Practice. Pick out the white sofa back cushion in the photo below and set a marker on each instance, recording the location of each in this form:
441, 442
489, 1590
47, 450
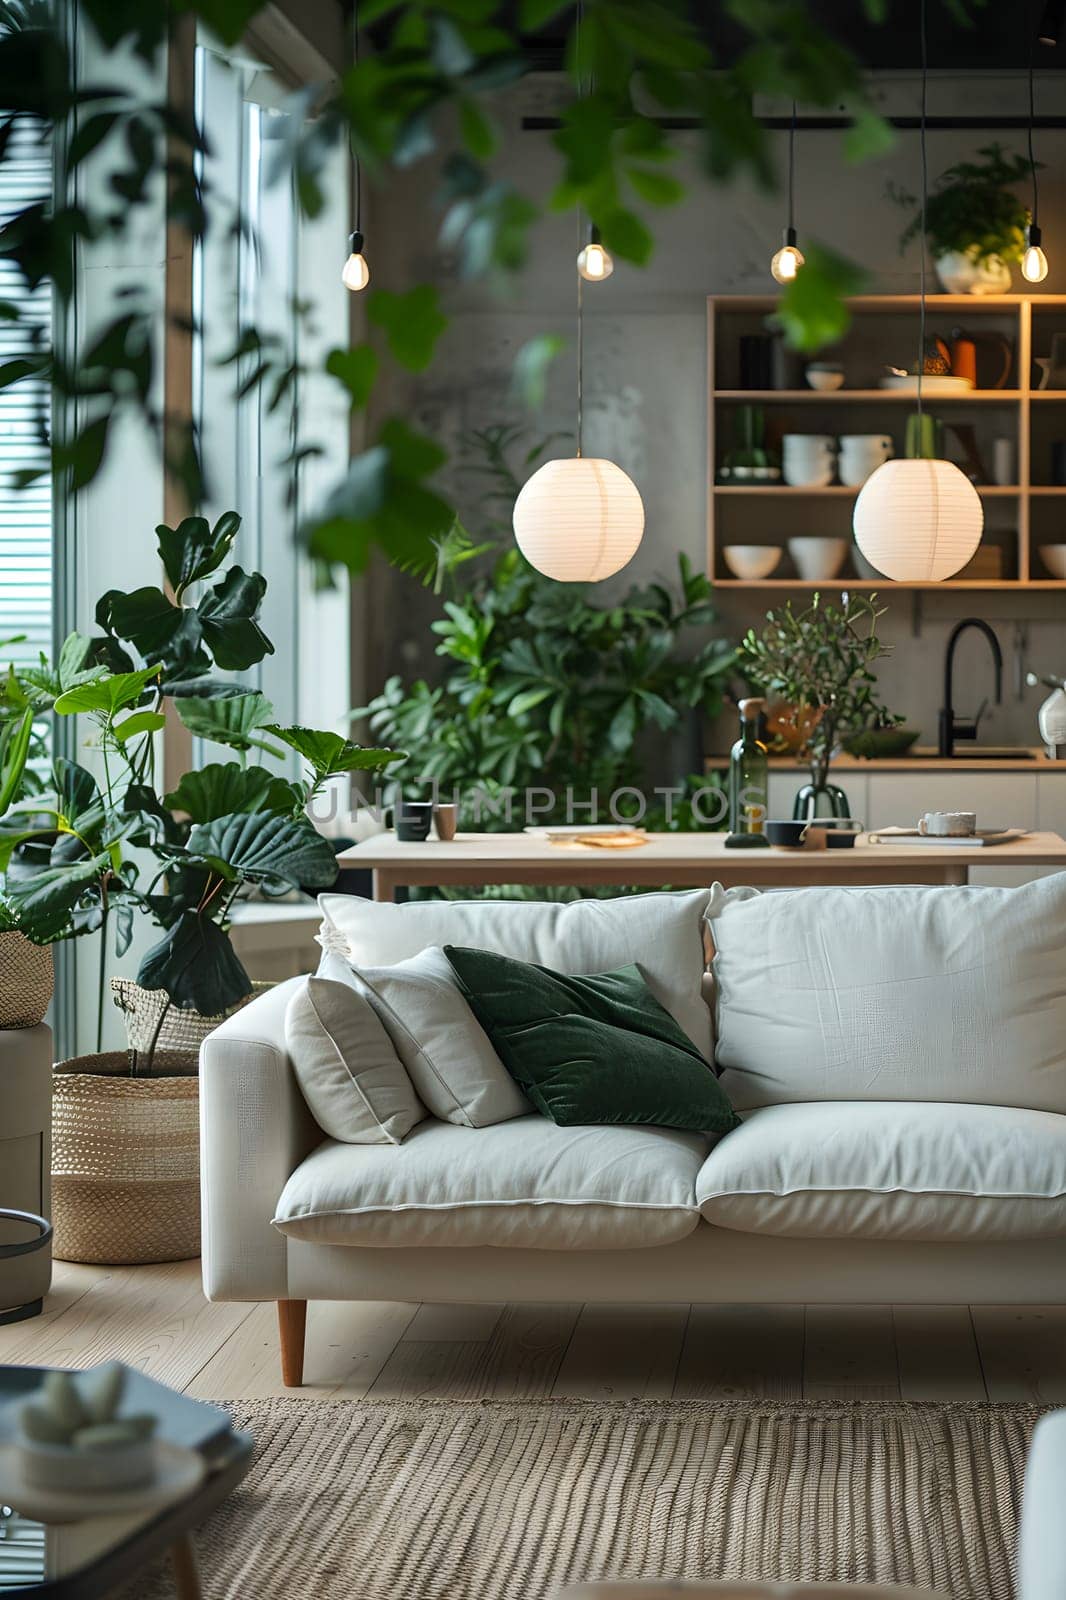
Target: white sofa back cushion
525, 1184
662, 933
349, 1073
951, 994
444, 1048
908, 1170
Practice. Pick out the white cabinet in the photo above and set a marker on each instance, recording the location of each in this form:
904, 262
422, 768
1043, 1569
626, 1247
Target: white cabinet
1000, 799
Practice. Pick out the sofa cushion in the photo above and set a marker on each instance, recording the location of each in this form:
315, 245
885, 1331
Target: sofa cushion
445, 1050
348, 1071
662, 933
593, 1048
524, 1183
913, 993
896, 1170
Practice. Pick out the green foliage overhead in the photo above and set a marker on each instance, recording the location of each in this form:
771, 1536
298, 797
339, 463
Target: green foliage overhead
638, 71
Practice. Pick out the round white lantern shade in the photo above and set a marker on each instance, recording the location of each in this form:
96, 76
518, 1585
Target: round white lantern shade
918, 521
579, 519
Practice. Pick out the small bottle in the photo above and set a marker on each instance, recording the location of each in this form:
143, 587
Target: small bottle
748, 779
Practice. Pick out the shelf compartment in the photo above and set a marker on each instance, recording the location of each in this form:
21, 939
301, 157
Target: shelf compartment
891, 397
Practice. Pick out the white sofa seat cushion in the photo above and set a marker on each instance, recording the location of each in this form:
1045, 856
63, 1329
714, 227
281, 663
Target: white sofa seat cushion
910, 993
662, 933
890, 1170
524, 1183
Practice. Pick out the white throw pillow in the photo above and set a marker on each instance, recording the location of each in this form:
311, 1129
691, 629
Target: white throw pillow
444, 1048
346, 1066
910, 993
662, 933
909, 1170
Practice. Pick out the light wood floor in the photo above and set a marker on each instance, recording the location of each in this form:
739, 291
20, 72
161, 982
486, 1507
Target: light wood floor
156, 1318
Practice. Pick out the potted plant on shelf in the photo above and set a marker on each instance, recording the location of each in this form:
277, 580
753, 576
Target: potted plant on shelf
975, 223
96, 849
816, 663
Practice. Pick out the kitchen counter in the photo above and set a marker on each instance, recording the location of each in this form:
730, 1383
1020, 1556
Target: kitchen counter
921, 758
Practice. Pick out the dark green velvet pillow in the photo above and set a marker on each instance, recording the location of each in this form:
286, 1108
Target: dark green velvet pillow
597, 1048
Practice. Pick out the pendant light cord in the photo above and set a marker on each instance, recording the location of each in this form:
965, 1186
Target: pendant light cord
357, 166
1032, 116
580, 280
925, 199
792, 173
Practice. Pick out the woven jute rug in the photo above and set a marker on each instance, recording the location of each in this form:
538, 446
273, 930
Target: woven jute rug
440, 1500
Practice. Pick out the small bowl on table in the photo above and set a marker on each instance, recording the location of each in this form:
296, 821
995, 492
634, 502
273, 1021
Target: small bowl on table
751, 561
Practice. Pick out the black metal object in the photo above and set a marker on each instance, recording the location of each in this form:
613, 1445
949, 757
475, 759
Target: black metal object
27, 1247
949, 725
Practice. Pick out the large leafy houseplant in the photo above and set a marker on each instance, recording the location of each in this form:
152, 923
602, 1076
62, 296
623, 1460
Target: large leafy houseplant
85, 851
974, 213
818, 661
543, 688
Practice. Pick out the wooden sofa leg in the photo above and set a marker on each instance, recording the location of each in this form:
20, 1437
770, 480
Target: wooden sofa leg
292, 1323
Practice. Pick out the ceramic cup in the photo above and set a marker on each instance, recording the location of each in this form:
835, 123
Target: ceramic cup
447, 820
808, 460
413, 818
861, 454
948, 824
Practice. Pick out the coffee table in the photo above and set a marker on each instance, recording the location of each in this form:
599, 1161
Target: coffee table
87, 1560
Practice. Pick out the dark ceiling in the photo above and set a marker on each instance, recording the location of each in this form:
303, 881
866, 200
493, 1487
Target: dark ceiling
997, 40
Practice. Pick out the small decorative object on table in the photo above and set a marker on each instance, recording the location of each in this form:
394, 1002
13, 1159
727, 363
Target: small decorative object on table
446, 820
413, 820
748, 781
947, 824
70, 1436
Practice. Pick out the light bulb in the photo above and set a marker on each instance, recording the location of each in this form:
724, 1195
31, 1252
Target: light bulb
356, 273
1034, 261
788, 260
594, 263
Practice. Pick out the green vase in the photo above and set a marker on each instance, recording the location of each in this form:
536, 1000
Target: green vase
820, 800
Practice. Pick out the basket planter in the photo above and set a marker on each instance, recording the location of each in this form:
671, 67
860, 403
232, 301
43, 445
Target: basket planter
27, 977
125, 1163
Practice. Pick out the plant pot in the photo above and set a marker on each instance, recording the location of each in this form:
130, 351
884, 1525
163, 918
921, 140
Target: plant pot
960, 272
27, 977
125, 1163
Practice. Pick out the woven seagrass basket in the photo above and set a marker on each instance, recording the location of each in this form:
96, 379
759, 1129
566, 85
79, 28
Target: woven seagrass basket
26, 981
126, 1139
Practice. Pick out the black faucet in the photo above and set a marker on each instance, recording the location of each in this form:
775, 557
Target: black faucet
951, 728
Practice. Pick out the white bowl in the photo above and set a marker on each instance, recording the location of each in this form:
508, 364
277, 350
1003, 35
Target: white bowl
825, 379
816, 559
751, 560
1054, 558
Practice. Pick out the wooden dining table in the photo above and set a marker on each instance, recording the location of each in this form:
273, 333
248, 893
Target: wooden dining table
678, 861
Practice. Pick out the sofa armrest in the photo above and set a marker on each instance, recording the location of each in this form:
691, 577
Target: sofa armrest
255, 1129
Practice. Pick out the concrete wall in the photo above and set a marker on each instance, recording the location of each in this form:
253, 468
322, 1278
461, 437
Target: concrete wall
645, 362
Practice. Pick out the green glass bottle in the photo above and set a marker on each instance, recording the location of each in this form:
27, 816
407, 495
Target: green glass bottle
748, 780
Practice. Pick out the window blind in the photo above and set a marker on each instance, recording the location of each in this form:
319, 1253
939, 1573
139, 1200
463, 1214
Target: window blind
25, 420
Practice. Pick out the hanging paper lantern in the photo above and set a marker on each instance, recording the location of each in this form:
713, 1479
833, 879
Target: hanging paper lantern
918, 521
579, 519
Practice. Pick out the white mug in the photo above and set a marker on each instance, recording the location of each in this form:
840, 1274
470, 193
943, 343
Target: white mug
948, 824
807, 460
860, 456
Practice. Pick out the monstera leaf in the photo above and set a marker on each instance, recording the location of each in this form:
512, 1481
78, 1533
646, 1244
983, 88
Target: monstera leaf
278, 852
196, 965
330, 753
223, 790
193, 550
233, 721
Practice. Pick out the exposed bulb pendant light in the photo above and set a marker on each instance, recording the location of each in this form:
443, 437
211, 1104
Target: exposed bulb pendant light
594, 262
919, 520
355, 274
579, 518
1034, 261
788, 260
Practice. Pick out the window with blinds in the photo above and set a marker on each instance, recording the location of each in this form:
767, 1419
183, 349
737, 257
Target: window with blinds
25, 420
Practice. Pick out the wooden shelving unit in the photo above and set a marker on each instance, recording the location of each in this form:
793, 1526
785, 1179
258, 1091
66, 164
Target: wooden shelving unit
1019, 517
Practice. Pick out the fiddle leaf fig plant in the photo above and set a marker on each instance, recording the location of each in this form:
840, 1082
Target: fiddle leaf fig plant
86, 850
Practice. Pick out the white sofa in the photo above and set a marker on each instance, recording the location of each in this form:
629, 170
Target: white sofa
887, 1181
